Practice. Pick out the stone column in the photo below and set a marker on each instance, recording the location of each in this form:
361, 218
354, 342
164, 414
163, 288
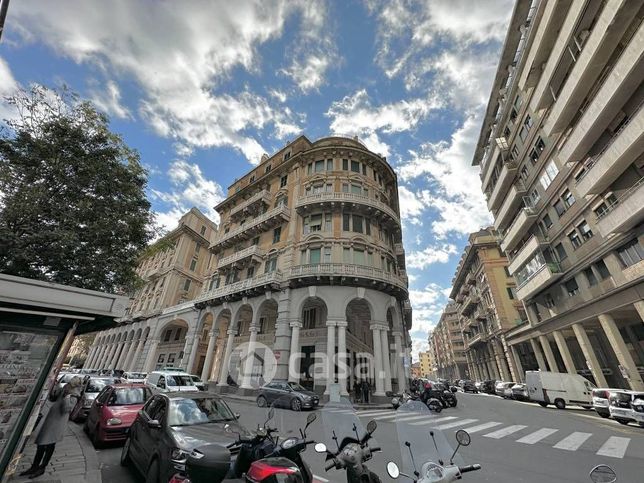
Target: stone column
105, 356
621, 351
130, 354
500, 361
153, 343
639, 306
92, 354
294, 353
589, 354
377, 356
400, 371
547, 350
139, 350
352, 376
223, 373
113, 355
100, 356
342, 356
282, 344
191, 344
210, 352
565, 352
330, 353
537, 353
517, 364
385, 358
120, 364
246, 382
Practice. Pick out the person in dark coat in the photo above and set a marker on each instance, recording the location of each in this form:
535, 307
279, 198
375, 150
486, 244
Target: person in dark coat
365, 391
53, 427
356, 392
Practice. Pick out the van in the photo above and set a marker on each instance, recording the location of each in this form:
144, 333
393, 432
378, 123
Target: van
559, 388
170, 381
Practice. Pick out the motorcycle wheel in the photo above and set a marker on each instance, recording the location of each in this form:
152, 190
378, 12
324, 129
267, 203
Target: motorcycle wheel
452, 404
435, 406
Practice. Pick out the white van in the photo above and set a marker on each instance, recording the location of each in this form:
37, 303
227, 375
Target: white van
170, 381
559, 388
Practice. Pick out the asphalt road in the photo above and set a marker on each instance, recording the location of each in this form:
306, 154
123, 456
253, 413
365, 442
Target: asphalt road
513, 441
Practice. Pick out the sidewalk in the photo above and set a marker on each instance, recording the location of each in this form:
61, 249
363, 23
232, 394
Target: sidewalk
74, 460
357, 406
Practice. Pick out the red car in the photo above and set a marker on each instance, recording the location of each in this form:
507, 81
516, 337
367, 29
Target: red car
113, 412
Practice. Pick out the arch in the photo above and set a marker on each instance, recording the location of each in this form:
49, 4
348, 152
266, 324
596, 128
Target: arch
137, 333
366, 297
266, 315
243, 319
359, 314
313, 312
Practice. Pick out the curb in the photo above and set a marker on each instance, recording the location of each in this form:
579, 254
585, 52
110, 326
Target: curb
92, 465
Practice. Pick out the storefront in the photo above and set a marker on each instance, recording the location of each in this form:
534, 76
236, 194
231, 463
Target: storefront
38, 321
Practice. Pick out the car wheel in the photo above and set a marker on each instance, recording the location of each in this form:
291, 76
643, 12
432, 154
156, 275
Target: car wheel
560, 404
543, 404
95, 439
152, 475
296, 404
587, 408
261, 401
604, 415
125, 453
622, 421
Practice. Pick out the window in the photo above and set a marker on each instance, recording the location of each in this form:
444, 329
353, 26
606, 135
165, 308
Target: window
355, 166
346, 222
602, 269
507, 271
584, 230
561, 252
515, 152
524, 174
328, 222
571, 287
186, 284
250, 272
203, 230
167, 335
547, 222
559, 208
567, 198
308, 318
268, 169
177, 334
534, 197
255, 241
528, 122
590, 276
313, 223
309, 169
510, 291
358, 257
193, 265
251, 179
367, 225
277, 234
197, 248
536, 151
631, 253
357, 223
574, 238
329, 165
271, 265
327, 255
549, 301
549, 174
345, 165
314, 256
283, 181
262, 325
319, 166
364, 169
346, 255
523, 133
287, 156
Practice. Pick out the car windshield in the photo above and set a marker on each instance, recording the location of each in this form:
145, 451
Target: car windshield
97, 385
191, 411
136, 375
66, 378
195, 378
177, 380
129, 396
295, 386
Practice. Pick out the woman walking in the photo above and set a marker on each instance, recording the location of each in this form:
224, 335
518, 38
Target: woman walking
53, 427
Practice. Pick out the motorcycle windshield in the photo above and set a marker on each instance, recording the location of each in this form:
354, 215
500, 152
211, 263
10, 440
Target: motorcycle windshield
414, 423
341, 424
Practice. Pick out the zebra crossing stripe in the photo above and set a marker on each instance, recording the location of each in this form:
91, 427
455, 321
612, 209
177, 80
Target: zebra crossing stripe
501, 433
537, 436
431, 421
373, 413
614, 447
411, 418
386, 416
462, 422
573, 441
481, 427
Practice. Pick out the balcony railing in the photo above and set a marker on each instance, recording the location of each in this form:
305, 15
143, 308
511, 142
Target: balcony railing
242, 285
346, 270
341, 197
623, 213
525, 251
240, 255
263, 195
521, 222
546, 274
280, 211
512, 199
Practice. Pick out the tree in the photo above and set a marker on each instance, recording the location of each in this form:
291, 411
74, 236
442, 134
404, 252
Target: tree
73, 208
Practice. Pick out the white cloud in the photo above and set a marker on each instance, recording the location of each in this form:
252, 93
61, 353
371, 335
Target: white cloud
189, 188
8, 83
308, 74
427, 304
278, 94
413, 204
431, 254
108, 100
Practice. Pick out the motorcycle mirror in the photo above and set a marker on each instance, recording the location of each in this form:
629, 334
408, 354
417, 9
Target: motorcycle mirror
393, 470
463, 437
271, 413
320, 448
310, 418
603, 474
371, 426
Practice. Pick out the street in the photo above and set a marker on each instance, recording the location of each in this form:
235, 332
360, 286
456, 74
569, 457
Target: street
513, 441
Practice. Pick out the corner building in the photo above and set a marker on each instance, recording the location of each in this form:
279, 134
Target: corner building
446, 340
308, 262
561, 159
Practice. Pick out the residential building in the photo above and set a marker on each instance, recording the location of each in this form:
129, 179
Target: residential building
307, 273
485, 299
449, 347
415, 370
561, 154
426, 364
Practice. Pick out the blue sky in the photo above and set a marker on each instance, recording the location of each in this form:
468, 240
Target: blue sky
203, 88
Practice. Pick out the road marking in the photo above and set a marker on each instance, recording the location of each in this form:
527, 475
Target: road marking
573, 441
373, 413
432, 421
462, 422
537, 436
411, 418
505, 431
385, 416
615, 447
323, 480
481, 427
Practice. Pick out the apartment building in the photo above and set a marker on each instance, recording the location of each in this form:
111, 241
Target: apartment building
485, 299
426, 360
173, 271
448, 345
560, 155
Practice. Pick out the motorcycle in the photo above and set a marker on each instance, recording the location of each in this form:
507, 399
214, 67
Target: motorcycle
353, 450
398, 399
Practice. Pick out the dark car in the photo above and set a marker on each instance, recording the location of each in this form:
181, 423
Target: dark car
488, 386
468, 386
287, 394
171, 425
91, 387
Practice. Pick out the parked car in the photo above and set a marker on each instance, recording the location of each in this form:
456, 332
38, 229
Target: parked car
134, 377
65, 377
468, 386
113, 412
601, 401
520, 392
627, 406
197, 382
171, 425
478, 384
501, 386
287, 394
559, 388
170, 381
92, 386
487, 386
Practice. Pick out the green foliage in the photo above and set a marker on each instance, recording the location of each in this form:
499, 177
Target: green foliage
73, 208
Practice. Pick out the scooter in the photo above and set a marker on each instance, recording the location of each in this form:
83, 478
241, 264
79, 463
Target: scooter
431, 472
399, 399
351, 455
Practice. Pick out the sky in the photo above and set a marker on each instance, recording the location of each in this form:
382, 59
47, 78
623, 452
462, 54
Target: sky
203, 88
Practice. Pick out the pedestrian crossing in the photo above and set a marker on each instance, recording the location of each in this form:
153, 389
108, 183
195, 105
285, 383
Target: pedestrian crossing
613, 447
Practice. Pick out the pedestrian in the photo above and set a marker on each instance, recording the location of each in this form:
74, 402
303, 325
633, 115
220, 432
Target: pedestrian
53, 427
365, 391
356, 392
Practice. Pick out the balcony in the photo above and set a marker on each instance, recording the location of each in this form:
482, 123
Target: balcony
346, 271
470, 302
625, 147
474, 340
546, 275
253, 252
525, 253
518, 228
364, 204
513, 199
262, 223
251, 204
480, 313
505, 178
471, 278
626, 213
241, 288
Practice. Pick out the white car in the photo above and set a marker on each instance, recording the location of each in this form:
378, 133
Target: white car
134, 377
198, 382
170, 381
627, 406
